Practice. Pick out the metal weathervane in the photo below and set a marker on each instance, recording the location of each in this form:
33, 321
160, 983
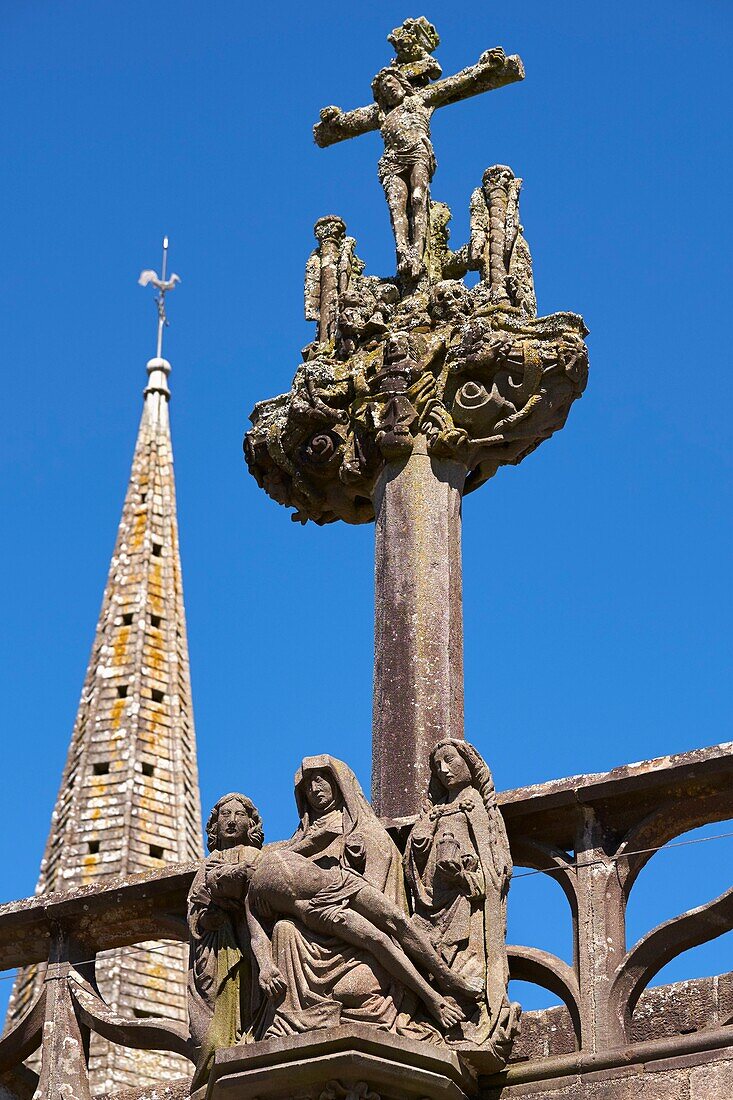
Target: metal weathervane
163, 285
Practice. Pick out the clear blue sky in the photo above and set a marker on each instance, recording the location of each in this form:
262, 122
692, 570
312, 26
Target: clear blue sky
597, 574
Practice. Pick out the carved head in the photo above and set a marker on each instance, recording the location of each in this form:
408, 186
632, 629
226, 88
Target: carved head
455, 764
398, 347
390, 87
414, 40
498, 175
234, 820
448, 299
321, 790
331, 227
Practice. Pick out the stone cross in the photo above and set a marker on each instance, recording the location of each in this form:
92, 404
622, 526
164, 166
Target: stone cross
415, 391
404, 103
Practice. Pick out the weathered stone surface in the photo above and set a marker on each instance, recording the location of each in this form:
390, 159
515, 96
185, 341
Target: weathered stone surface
418, 625
675, 1010
346, 1064
175, 1090
544, 1034
312, 933
418, 359
724, 998
712, 1082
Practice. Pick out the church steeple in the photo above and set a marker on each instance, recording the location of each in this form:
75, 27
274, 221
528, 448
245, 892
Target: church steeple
129, 797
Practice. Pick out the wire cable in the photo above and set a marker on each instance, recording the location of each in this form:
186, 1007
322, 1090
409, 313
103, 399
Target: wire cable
570, 866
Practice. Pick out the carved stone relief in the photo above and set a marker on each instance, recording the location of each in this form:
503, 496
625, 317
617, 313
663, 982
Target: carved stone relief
329, 928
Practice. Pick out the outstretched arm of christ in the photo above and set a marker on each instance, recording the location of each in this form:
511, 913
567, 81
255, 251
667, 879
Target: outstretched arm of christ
337, 125
492, 70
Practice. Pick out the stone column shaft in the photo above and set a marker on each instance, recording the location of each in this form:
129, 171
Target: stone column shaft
418, 631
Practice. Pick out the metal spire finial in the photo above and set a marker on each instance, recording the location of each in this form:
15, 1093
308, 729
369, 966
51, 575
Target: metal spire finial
163, 285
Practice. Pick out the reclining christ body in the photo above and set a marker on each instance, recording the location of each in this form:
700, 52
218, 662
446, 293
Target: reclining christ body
279, 883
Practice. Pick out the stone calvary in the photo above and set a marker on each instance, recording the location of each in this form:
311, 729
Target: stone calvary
417, 387
365, 958
418, 359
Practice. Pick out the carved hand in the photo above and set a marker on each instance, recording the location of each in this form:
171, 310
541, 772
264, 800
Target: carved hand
355, 852
328, 114
271, 981
226, 881
450, 868
492, 56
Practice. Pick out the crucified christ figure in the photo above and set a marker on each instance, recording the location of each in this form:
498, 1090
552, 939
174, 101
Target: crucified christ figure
402, 113
280, 883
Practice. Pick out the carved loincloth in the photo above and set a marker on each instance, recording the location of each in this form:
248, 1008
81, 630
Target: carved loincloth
326, 908
395, 164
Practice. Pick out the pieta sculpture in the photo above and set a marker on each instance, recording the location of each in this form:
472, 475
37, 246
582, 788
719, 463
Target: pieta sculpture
334, 925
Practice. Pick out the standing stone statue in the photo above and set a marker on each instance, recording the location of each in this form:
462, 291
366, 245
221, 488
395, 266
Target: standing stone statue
223, 996
329, 272
498, 249
458, 869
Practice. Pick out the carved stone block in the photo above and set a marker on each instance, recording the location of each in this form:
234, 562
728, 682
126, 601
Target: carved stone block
347, 1063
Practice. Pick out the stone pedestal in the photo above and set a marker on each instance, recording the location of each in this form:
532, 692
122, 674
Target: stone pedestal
418, 624
344, 1063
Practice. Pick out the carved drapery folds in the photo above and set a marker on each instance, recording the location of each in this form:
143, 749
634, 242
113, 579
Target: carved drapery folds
471, 369
318, 931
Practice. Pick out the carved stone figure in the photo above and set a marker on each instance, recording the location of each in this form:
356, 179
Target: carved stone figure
458, 868
404, 102
339, 828
418, 361
223, 995
406, 167
365, 311
413, 43
328, 982
441, 261
395, 414
498, 248
328, 275
280, 884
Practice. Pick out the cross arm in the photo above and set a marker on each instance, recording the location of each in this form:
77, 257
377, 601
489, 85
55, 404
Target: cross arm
337, 125
493, 70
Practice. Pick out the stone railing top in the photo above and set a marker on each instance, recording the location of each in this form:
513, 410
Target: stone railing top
625, 794
549, 810
125, 911
129, 910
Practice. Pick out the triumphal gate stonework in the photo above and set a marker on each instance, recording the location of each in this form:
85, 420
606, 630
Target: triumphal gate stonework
366, 958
